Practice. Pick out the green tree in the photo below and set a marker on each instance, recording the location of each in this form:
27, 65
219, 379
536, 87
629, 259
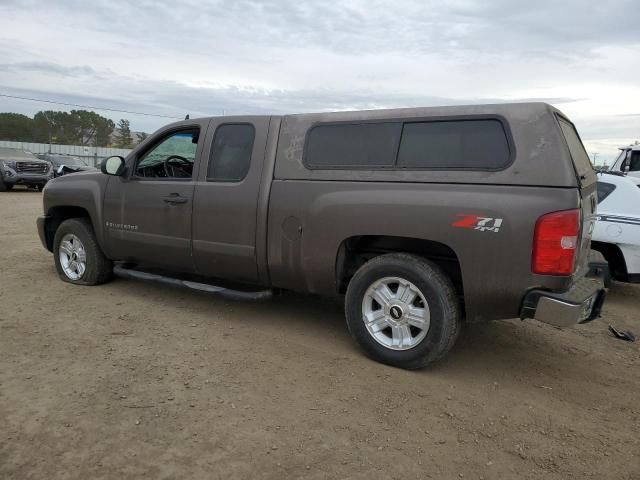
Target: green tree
16, 127
88, 128
50, 127
77, 127
122, 137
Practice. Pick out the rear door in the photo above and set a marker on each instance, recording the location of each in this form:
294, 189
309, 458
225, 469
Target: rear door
147, 211
587, 181
226, 198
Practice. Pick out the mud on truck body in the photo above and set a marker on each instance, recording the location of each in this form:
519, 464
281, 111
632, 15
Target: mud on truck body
422, 218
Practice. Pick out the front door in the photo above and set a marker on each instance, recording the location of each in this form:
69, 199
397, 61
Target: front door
148, 211
226, 198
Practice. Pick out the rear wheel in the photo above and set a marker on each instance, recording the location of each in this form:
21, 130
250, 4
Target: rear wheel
402, 310
4, 187
78, 257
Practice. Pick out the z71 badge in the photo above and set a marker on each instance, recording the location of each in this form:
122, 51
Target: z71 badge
478, 222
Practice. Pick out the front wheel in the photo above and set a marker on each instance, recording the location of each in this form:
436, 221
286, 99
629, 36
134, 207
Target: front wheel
402, 310
78, 257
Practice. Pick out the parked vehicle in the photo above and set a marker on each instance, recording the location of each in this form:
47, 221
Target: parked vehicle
19, 167
420, 217
65, 164
617, 231
628, 161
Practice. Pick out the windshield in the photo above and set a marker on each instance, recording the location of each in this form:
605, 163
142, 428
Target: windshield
620, 160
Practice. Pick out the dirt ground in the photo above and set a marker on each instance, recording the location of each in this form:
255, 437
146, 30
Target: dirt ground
136, 380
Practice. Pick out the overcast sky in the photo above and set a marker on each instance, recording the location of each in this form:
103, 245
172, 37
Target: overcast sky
207, 57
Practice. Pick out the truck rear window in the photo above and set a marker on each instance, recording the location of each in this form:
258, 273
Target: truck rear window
576, 148
371, 145
470, 144
456, 144
231, 153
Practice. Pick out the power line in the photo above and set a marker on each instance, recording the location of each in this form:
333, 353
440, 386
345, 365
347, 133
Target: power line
88, 106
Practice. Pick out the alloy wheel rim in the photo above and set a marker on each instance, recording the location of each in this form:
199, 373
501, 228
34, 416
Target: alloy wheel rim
73, 257
396, 313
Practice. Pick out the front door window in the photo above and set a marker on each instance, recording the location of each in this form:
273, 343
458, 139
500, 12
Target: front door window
172, 158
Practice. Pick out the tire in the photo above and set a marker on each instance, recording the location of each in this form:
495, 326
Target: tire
418, 278
4, 187
78, 237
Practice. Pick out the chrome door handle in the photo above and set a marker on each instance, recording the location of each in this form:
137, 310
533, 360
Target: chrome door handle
174, 199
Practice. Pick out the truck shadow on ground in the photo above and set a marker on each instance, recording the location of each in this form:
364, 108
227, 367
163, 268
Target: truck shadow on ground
502, 347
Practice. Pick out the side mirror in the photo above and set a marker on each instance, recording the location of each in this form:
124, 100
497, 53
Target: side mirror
113, 166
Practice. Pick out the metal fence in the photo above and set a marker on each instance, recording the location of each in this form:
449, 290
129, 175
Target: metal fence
91, 155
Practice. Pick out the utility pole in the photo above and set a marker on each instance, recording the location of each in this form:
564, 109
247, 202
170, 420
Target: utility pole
595, 155
46, 117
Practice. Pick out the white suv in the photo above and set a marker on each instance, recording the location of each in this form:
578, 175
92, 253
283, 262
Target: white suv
617, 230
628, 160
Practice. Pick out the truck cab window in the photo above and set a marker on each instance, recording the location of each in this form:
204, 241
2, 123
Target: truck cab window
173, 157
634, 161
231, 153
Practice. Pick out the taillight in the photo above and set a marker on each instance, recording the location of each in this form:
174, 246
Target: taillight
555, 243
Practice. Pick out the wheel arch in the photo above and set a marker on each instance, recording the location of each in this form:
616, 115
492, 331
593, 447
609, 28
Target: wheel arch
614, 257
355, 251
58, 214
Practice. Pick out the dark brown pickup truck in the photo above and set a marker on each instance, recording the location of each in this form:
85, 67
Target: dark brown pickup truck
423, 218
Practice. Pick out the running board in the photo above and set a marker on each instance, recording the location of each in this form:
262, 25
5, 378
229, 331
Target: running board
203, 287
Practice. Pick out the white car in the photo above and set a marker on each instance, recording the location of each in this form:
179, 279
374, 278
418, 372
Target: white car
617, 230
628, 161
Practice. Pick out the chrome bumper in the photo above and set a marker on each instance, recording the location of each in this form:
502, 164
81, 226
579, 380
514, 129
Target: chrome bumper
580, 304
20, 178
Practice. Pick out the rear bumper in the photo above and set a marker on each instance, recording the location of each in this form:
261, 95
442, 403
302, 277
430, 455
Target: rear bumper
580, 304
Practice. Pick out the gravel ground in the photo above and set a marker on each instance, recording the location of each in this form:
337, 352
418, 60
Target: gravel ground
132, 380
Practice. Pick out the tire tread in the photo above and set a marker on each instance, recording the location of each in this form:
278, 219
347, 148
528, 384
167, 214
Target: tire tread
430, 272
99, 268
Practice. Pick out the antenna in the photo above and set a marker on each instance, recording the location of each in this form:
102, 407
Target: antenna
186, 117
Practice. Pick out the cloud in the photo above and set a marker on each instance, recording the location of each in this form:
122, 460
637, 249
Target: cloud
571, 28
175, 99
49, 68
280, 56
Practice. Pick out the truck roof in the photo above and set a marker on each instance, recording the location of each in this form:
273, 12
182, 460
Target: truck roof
540, 154
530, 109
634, 146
